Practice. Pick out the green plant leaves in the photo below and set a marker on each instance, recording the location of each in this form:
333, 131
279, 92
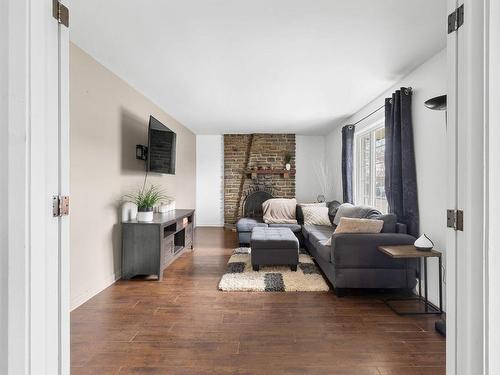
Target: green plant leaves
148, 198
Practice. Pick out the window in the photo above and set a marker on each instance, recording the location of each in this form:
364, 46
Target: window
370, 168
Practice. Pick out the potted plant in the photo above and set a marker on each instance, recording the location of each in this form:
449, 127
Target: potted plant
146, 199
288, 159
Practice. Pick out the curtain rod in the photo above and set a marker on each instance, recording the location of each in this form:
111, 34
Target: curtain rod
368, 115
406, 90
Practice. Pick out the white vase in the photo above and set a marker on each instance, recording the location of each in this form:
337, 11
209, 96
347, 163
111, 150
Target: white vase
145, 216
424, 243
129, 211
288, 166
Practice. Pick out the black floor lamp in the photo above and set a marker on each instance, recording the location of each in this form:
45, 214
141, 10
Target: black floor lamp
439, 104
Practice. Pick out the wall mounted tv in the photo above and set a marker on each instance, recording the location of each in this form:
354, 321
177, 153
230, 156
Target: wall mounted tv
161, 148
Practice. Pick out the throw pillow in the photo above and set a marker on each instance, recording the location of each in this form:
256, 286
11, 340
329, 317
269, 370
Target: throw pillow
333, 207
389, 220
279, 211
358, 212
350, 225
300, 214
316, 215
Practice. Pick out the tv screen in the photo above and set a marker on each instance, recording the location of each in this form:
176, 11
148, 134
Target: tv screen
161, 147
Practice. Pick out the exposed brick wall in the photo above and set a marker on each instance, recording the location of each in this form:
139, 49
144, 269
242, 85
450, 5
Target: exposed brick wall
243, 152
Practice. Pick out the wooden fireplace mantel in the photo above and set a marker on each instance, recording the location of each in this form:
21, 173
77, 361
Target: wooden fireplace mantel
253, 173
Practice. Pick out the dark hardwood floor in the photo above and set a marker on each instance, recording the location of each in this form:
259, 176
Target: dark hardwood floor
184, 325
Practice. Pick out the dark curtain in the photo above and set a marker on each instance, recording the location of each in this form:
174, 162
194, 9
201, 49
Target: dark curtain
347, 162
400, 173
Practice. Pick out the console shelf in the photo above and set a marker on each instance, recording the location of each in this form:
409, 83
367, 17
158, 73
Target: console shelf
148, 248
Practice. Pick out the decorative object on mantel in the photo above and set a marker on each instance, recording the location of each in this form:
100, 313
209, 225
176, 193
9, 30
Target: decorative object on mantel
424, 243
146, 200
321, 198
288, 159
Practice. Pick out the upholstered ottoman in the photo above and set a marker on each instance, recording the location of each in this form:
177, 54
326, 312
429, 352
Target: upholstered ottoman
274, 247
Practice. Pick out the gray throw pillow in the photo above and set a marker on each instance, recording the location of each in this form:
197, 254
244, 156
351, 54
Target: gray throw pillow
355, 212
389, 222
333, 207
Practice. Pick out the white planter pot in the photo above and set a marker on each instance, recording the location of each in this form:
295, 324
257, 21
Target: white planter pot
145, 216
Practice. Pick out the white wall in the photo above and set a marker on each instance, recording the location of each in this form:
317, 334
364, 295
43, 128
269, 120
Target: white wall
108, 118
429, 130
209, 180
310, 161
309, 158
3, 186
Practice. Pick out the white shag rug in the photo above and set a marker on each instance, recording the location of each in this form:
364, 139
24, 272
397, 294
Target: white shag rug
240, 277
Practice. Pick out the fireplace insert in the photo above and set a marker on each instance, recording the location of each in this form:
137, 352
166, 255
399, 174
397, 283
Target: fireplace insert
252, 205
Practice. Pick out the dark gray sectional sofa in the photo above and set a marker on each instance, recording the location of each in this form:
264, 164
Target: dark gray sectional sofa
352, 260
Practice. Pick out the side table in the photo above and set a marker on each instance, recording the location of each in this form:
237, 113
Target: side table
410, 252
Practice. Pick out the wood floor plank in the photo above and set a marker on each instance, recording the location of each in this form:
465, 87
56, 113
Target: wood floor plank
184, 325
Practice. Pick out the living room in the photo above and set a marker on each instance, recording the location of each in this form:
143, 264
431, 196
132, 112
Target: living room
260, 187
218, 167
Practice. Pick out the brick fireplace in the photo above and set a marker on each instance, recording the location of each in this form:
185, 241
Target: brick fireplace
254, 162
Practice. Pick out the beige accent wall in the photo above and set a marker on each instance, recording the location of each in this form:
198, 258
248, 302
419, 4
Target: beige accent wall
108, 118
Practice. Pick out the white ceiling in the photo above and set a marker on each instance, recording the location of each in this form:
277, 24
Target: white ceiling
224, 66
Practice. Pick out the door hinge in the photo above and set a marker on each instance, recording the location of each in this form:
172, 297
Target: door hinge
456, 19
60, 12
455, 219
60, 205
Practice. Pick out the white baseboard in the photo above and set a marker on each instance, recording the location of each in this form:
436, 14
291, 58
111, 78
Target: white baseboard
91, 292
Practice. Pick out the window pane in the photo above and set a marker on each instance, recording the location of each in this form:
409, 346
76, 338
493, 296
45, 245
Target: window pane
364, 163
371, 173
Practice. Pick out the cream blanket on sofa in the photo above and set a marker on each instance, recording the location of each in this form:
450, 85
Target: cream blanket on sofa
279, 211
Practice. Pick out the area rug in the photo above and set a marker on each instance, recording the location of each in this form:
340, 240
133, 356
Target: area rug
240, 277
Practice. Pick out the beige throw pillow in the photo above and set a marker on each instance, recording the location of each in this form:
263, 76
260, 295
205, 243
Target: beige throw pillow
279, 211
351, 225
316, 215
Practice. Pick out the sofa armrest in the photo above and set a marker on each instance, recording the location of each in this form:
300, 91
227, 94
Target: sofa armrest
359, 250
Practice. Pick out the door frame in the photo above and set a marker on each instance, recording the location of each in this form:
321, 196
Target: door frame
492, 259
37, 62
467, 250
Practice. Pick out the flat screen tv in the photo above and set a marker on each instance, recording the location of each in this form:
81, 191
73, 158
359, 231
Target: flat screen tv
161, 148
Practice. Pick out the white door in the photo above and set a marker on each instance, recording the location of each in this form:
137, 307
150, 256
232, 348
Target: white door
38, 142
466, 248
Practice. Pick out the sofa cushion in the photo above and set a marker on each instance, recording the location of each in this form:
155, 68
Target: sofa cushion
324, 251
246, 224
293, 227
317, 232
357, 212
318, 235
